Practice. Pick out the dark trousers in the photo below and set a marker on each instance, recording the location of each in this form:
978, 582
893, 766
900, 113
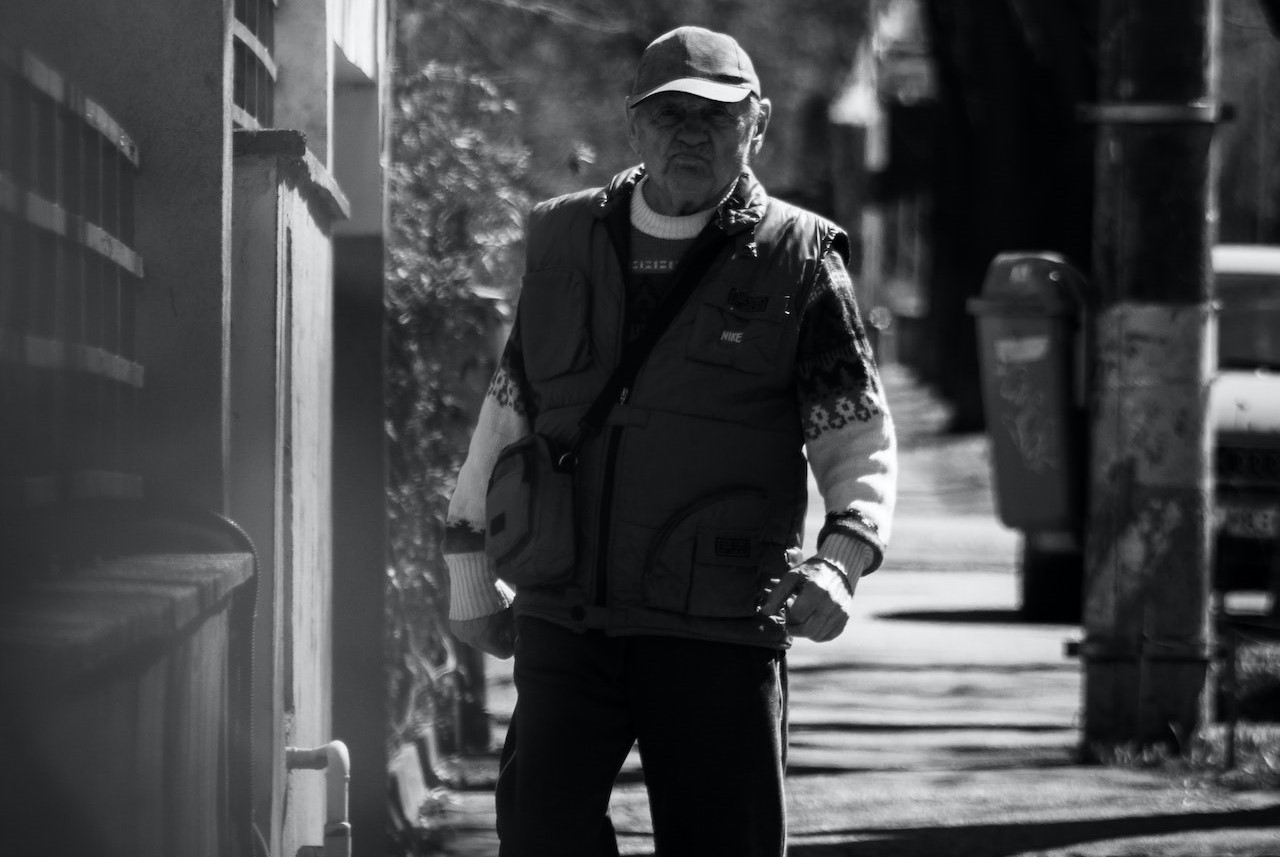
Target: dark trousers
710, 720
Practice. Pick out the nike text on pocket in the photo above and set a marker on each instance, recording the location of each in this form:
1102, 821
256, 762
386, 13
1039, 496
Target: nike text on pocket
734, 336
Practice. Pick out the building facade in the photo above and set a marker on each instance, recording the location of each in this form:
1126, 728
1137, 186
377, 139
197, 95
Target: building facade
191, 217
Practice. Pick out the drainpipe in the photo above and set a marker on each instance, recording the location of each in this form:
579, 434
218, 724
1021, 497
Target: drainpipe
333, 759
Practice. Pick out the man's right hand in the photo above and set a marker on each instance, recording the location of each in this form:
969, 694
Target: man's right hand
494, 634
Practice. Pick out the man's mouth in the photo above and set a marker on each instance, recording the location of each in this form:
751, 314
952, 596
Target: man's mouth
687, 162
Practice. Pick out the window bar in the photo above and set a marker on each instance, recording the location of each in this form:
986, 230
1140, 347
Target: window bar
131, 385
254, 65
267, 24
79, 420
240, 75
43, 429
121, 346
47, 93
10, 409
63, 388
109, 441
86, 411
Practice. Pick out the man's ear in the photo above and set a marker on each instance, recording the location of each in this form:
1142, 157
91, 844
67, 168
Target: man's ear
631, 130
762, 125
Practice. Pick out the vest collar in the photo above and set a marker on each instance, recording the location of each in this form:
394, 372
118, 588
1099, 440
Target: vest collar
739, 213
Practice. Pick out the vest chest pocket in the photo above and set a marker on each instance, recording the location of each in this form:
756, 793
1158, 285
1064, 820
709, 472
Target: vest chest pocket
554, 323
746, 337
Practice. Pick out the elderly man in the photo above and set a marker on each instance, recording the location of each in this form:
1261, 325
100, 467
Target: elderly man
677, 583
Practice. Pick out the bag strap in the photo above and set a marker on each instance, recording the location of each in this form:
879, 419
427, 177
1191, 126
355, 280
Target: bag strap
689, 272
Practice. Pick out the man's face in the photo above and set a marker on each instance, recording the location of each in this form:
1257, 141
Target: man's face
692, 148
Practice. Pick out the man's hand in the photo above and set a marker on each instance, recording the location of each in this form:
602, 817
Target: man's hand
815, 599
495, 633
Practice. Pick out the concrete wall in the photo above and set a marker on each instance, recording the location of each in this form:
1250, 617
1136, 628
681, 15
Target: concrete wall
359, 154
256, 457
359, 460
281, 444
360, 31
237, 411
304, 95
311, 574
360, 532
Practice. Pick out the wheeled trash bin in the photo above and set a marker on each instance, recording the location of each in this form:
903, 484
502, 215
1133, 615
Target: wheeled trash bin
1031, 357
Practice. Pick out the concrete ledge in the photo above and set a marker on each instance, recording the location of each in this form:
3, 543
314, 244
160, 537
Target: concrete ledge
60, 629
290, 147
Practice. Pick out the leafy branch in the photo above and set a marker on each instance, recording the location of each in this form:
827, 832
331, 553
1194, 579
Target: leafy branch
456, 220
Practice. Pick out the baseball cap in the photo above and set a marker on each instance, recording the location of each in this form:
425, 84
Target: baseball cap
697, 61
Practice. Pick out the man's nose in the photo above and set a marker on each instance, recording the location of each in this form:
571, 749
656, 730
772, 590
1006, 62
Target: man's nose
693, 125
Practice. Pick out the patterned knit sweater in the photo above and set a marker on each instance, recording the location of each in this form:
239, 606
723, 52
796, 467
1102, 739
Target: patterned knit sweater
849, 436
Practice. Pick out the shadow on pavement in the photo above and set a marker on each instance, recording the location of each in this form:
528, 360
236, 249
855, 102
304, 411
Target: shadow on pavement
1008, 840
967, 617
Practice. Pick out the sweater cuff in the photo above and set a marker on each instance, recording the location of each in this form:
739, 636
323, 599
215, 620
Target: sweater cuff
851, 554
474, 591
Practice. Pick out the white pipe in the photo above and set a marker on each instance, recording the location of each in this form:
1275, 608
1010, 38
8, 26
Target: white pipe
334, 760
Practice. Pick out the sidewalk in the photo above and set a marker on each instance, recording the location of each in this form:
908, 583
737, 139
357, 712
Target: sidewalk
941, 724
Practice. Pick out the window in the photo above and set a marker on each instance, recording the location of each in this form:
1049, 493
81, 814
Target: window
69, 379
255, 70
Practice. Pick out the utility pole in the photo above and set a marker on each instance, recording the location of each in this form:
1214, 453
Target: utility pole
1146, 612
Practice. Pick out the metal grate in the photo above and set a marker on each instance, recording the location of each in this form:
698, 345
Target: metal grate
69, 380
1242, 464
255, 69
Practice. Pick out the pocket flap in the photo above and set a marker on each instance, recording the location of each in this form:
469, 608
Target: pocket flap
720, 546
553, 316
726, 337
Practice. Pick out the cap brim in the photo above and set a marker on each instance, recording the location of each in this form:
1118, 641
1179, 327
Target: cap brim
709, 89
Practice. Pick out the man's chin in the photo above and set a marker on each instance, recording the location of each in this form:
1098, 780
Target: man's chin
689, 180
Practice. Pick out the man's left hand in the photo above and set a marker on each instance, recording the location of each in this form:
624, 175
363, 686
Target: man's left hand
815, 598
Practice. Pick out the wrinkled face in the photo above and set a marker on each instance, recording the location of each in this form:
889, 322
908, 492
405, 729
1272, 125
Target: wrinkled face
693, 148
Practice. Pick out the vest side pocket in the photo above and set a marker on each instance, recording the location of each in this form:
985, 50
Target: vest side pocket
554, 318
711, 558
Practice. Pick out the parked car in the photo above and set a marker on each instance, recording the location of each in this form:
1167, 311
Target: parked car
1245, 415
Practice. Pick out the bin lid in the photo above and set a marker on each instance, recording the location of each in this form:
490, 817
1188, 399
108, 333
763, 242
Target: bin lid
1030, 281
1246, 402
1258, 260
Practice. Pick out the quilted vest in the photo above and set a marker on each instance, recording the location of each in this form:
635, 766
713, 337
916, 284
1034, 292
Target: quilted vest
690, 497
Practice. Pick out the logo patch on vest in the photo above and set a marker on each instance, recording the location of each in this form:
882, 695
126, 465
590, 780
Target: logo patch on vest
733, 336
734, 548
743, 302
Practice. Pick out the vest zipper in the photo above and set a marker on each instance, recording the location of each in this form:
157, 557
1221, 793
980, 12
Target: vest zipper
606, 504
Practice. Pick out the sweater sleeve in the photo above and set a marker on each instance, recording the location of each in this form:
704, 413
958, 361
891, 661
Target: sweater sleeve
474, 587
849, 434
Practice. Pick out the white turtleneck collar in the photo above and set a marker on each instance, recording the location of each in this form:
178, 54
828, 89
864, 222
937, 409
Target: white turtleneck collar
679, 227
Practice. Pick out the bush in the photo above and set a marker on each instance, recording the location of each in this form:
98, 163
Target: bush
457, 208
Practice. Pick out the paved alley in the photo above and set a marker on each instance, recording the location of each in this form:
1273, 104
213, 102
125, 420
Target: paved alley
940, 723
